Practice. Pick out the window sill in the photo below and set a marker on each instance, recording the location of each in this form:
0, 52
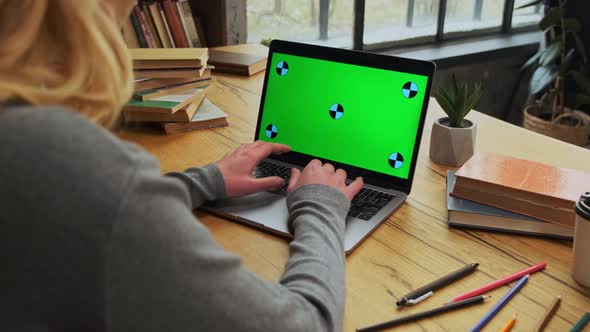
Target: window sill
450, 53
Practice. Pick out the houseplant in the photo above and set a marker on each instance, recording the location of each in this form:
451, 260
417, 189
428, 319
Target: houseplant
557, 64
452, 140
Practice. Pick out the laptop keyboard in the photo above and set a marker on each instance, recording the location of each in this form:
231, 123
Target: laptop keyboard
363, 206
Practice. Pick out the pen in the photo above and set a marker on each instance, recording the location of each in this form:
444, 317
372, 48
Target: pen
425, 291
509, 324
503, 301
548, 314
424, 314
581, 323
500, 282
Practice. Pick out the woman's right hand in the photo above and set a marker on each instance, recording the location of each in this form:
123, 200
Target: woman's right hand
316, 173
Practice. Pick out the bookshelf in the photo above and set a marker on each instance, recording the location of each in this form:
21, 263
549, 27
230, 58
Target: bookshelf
186, 23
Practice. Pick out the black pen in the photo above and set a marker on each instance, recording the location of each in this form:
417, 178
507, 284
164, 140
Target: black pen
425, 314
425, 291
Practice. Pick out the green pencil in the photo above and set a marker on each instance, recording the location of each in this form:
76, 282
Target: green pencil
581, 323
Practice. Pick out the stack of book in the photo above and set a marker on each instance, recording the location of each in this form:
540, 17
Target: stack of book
170, 89
506, 194
163, 24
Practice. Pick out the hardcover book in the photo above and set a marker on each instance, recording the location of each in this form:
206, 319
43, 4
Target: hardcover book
237, 63
470, 214
521, 186
207, 116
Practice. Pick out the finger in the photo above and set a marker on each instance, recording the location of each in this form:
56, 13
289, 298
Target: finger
341, 174
295, 174
270, 183
354, 187
329, 167
261, 149
313, 164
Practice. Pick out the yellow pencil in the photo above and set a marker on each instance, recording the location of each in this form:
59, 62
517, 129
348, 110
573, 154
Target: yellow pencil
509, 324
548, 314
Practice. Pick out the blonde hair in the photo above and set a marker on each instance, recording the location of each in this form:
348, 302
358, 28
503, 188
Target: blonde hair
66, 52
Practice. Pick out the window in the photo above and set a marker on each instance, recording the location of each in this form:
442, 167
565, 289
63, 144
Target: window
384, 23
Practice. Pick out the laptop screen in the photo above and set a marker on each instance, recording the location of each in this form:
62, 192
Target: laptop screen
356, 115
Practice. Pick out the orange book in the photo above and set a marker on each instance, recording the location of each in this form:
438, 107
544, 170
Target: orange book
526, 187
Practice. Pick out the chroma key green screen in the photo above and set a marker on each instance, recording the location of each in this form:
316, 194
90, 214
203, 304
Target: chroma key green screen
361, 116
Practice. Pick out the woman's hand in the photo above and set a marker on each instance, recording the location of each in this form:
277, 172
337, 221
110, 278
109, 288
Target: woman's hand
237, 167
316, 173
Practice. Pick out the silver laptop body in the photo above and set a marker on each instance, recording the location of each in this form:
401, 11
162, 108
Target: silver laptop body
268, 210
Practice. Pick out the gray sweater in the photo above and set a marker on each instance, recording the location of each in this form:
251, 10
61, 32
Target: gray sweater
93, 238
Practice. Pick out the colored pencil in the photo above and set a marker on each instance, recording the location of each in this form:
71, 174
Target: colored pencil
424, 314
581, 323
509, 324
498, 283
505, 299
548, 314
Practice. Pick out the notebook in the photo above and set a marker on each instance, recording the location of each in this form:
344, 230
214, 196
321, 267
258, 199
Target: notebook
470, 214
361, 112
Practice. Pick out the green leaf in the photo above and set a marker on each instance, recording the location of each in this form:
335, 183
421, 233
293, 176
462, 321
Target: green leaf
530, 4
532, 60
551, 18
550, 53
580, 46
582, 100
457, 99
572, 25
542, 77
582, 81
567, 62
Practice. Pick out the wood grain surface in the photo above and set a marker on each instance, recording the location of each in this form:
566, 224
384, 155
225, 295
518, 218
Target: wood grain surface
415, 245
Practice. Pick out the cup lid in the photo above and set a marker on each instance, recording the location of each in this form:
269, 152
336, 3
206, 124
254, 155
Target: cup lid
583, 205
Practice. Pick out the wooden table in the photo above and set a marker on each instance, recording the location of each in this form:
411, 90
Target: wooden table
415, 245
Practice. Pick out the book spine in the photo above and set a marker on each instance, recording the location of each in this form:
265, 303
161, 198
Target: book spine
166, 25
151, 25
173, 18
186, 15
129, 34
137, 28
143, 25
159, 25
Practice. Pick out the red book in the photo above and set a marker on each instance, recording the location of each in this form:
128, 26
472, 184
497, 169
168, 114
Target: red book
545, 192
176, 28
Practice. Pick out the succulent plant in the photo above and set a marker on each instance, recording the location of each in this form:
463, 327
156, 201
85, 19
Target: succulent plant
457, 99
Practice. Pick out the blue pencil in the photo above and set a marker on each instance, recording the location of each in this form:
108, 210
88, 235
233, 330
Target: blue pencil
488, 316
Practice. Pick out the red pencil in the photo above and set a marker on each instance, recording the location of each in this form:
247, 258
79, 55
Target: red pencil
499, 282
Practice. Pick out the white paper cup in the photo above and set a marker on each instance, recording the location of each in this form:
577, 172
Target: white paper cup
581, 262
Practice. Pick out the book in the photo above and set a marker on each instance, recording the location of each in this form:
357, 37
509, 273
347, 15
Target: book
137, 28
186, 16
166, 25
144, 29
208, 116
237, 63
171, 89
189, 73
151, 25
173, 19
168, 104
521, 186
129, 34
470, 214
169, 58
183, 115
159, 25
155, 83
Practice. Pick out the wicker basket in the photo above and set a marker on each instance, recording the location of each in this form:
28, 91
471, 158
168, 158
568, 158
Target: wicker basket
577, 135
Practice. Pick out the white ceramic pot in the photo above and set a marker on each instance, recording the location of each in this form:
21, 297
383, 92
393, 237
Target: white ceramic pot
452, 146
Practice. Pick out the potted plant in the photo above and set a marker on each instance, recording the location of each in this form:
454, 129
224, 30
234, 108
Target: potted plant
452, 140
553, 113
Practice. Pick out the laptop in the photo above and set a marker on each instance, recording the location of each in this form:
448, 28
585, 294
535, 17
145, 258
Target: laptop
361, 112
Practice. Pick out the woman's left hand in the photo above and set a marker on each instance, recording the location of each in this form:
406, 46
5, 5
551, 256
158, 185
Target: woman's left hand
237, 167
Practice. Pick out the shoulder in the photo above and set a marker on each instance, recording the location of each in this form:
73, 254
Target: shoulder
53, 151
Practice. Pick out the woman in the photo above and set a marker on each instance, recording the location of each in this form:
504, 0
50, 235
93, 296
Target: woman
95, 239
